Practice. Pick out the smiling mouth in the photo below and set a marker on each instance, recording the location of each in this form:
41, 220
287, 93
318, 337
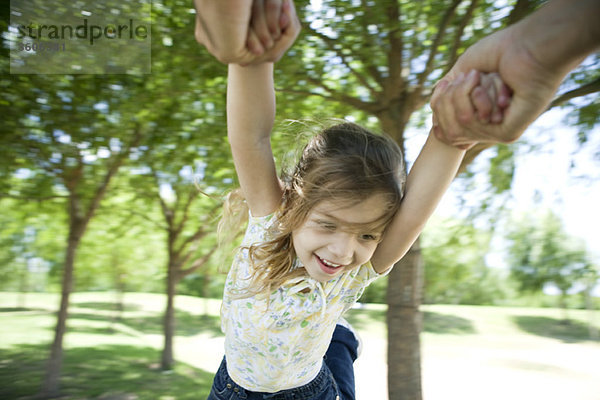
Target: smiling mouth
328, 266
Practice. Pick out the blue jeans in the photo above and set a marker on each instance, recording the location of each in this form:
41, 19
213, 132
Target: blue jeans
335, 381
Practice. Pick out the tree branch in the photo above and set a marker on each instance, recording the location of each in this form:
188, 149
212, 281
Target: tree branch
342, 98
588, 88
186, 209
31, 198
199, 234
112, 170
336, 97
366, 36
306, 93
197, 264
436, 42
396, 47
415, 38
147, 218
167, 212
330, 43
521, 9
195, 238
457, 37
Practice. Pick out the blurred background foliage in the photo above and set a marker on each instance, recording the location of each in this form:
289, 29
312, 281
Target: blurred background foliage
60, 134
119, 178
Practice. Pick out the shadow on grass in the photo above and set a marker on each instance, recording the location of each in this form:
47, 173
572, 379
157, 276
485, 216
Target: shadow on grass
568, 331
107, 305
114, 371
443, 323
361, 319
433, 322
22, 309
186, 324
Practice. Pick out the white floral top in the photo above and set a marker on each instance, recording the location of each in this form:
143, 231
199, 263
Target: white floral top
282, 347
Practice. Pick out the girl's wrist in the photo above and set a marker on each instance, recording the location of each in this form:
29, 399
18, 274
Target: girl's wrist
254, 67
455, 148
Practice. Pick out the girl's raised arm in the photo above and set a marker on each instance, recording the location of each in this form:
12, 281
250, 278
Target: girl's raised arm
250, 116
428, 180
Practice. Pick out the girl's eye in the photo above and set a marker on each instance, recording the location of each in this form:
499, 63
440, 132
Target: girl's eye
369, 237
327, 225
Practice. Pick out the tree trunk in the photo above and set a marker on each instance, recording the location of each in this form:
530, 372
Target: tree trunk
23, 284
404, 295
119, 282
563, 306
169, 319
589, 306
205, 295
51, 385
404, 322
79, 217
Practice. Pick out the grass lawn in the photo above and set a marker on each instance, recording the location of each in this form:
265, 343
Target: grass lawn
475, 352
106, 357
468, 352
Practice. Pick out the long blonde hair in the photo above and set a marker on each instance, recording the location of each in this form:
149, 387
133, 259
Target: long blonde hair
345, 163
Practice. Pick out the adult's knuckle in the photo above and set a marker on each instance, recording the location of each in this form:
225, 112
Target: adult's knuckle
273, 5
257, 7
465, 117
263, 36
226, 58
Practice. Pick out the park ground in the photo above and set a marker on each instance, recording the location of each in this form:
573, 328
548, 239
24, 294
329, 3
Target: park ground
468, 352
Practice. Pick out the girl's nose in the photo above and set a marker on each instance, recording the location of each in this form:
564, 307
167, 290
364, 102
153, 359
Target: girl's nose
342, 247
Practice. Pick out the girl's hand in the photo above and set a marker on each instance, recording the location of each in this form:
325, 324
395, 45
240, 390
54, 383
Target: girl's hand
468, 104
274, 27
265, 25
490, 98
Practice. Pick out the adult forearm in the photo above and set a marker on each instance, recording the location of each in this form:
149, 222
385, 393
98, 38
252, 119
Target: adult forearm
561, 33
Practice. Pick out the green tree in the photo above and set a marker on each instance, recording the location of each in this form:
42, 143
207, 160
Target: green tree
187, 140
455, 269
31, 241
541, 253
119, 251
64, 138
70, 163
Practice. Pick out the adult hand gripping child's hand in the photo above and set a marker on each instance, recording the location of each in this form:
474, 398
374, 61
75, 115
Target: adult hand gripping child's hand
474, 99
531, 59
263, 42
246, 31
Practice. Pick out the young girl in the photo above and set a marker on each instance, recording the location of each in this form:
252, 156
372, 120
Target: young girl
314, 241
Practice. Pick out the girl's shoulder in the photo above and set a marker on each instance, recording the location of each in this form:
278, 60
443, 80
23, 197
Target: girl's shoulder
259, 228
367, 273
354, 281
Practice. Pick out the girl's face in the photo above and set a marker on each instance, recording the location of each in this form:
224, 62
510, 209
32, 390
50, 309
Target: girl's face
335, 238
